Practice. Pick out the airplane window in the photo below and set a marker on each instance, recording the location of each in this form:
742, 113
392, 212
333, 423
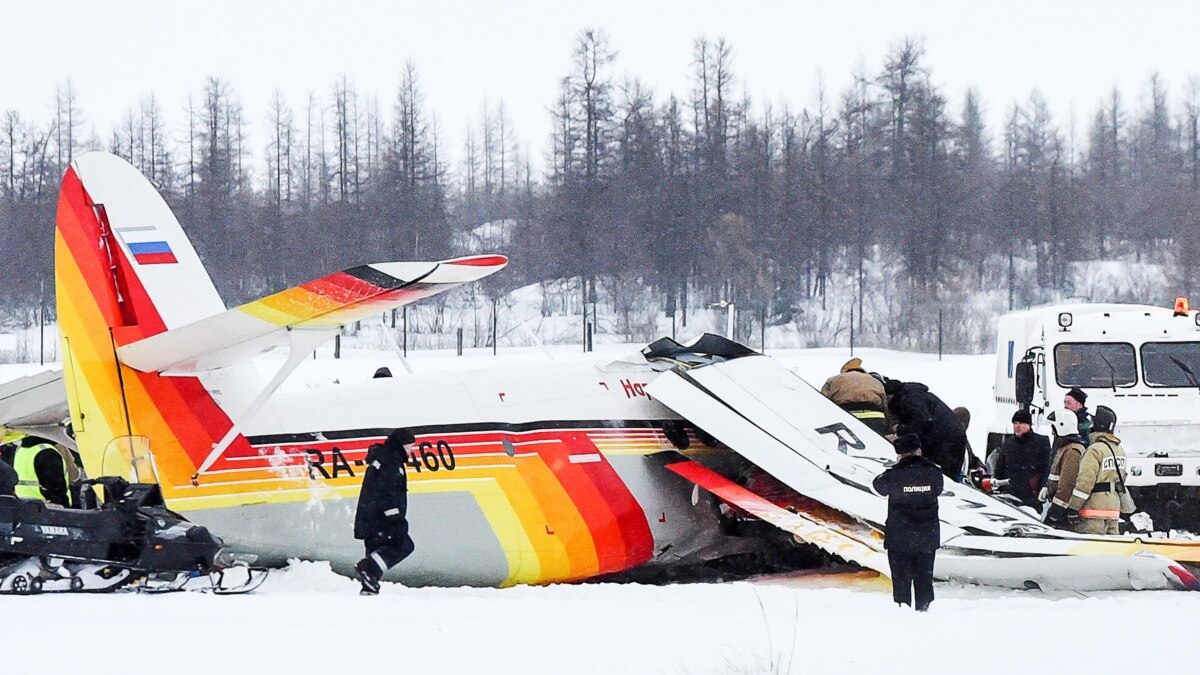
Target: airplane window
1171, 364
1095, 365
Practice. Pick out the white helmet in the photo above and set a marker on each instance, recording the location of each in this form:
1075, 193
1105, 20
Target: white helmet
1064, 422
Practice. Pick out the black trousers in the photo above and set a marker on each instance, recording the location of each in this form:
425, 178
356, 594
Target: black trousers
912, 570
389, 550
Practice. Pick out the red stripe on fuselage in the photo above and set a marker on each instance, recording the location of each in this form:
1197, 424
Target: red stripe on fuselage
631, 518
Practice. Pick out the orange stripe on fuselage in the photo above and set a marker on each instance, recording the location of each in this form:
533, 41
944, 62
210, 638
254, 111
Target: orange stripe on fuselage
608, 547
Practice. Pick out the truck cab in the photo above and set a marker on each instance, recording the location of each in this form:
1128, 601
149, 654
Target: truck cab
1142, 361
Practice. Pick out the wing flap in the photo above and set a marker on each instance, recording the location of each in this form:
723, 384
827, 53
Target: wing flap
325, 304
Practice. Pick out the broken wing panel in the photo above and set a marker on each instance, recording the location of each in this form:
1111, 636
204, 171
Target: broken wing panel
768, 452
36, 404
822, 436
825, 536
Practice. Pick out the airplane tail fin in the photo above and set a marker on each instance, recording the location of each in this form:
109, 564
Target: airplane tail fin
141, 321
124, 270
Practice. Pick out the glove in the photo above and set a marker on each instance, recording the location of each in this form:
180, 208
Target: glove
1058, 516
1044, 495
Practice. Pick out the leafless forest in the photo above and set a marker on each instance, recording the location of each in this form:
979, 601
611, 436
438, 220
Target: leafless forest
885, 201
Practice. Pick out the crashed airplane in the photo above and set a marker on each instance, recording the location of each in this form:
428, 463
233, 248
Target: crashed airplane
537, 474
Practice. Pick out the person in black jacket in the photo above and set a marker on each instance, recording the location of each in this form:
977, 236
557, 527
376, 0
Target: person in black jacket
8, 480
917, 411
912, 533
1024, 460
380, 520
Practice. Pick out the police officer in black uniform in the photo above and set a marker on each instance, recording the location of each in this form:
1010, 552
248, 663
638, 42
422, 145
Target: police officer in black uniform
912, 534
380, 520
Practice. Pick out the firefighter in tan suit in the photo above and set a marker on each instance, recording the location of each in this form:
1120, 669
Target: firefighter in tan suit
860, 394
1064, 470
1102, 474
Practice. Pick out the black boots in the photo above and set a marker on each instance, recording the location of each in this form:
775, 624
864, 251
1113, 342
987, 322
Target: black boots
368, 574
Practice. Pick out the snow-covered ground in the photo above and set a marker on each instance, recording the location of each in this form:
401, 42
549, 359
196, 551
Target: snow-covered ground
308, 620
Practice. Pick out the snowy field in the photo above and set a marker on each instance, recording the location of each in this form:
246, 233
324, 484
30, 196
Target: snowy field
308, 620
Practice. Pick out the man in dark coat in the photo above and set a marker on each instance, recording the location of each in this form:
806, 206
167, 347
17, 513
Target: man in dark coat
1024, 460
917, 411
380, 520
912, 533
1076, 402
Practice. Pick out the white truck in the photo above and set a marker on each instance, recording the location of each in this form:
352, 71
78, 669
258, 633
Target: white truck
1139, 360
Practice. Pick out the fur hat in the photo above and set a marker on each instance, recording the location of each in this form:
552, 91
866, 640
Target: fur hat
907, 443
1078, 394
853, 364
1023, 417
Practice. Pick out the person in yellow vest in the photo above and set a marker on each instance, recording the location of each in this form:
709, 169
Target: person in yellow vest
41, 472
860, 394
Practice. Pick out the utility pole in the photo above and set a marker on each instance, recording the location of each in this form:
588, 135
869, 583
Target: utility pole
42, 322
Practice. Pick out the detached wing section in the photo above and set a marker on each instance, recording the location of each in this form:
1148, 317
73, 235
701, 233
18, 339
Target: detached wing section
776, 420
36, 404
322, 305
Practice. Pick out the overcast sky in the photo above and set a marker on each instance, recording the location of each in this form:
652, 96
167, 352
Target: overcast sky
516, 51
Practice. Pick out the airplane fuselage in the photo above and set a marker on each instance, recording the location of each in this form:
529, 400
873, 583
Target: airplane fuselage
529, 474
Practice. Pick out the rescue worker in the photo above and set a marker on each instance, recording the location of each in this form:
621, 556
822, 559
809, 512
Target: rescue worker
973, 465
911, 533
918, 411
1024, 460
1102, 476
860, 394
1075, 401
1064, 471
8, 480
9, 442
41, 472
380, 520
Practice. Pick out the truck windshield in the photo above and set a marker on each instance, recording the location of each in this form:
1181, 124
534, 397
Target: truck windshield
1171, 364
1095, 364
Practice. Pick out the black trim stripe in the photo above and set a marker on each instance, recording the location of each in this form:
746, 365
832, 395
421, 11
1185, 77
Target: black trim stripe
473, 427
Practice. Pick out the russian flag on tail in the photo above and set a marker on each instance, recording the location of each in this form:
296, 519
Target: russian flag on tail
152, 252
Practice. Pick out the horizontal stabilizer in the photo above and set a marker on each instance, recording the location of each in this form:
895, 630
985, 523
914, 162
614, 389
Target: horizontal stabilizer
324, 305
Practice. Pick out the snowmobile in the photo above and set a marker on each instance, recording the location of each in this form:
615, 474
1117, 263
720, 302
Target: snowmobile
131, 542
